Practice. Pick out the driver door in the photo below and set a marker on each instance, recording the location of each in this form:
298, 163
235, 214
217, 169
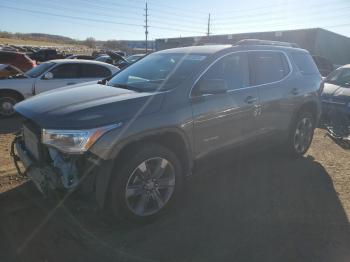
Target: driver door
62, 75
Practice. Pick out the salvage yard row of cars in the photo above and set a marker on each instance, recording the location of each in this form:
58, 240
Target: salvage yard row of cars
21, 77
132, 139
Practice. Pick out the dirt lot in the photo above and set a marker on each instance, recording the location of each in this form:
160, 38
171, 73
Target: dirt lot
262, 207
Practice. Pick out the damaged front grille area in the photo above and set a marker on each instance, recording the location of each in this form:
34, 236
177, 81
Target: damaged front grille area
66, 168
47, 167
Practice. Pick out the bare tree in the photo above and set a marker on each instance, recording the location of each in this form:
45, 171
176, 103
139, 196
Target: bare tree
90, 42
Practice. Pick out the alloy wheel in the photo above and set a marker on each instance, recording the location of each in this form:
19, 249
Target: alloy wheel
303, 134
150, 186
6, 106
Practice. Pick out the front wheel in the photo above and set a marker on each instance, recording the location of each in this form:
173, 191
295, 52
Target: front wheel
146, 184
301, 134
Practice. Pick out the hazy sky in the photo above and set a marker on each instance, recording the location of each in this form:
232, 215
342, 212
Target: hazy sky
121, 19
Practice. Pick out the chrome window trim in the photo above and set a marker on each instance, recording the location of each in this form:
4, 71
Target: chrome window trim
291, 70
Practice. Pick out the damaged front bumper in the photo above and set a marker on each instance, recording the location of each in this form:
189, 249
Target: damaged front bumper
56, 172
40, 175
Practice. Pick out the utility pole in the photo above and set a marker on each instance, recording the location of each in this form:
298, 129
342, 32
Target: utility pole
208, 32
146, 27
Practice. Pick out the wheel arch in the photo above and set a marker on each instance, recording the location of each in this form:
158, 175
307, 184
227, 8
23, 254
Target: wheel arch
310, 106
13, 92
172, 138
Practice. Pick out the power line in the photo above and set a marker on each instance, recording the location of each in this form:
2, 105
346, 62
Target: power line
174, 23
68, 16
315, 9
95, 20
281, 19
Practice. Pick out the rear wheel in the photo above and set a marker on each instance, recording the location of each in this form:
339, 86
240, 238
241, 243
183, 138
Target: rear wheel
301, 134
146, 184
7, 103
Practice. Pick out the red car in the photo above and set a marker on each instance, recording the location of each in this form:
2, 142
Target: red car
19, 60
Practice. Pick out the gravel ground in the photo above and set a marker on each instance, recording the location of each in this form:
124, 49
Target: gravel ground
263, 207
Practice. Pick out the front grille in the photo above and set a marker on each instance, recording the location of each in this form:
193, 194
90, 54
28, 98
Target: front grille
32, 141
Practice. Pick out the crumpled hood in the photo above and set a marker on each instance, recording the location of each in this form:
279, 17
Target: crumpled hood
87, 106
331, 90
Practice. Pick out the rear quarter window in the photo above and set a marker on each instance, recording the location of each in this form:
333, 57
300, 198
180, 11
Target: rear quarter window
94, 71
305, 63
268, 67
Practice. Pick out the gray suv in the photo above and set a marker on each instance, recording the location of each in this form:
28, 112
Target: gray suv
131, 141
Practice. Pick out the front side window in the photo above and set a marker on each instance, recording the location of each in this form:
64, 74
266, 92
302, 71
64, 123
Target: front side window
39, 70
66, 71
268, 67
233, 69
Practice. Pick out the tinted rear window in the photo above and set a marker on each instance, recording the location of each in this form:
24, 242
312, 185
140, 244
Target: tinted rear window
94, 71
305, 63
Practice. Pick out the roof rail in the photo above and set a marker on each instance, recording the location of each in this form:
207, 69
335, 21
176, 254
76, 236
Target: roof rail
266, 42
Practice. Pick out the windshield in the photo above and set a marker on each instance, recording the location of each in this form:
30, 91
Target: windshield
39, 70
157, 71
133, 58
340, 77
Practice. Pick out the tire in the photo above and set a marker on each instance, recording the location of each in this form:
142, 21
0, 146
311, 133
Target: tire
301, 134
138, 192
7, 102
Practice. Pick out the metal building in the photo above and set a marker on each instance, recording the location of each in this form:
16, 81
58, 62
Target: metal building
317, 41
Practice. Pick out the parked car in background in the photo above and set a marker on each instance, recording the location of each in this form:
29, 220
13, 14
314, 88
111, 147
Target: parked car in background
324, 65
113, 59
19, 60
43, 55
7, 71
336, 94
85, 57
48, 76
133, 58
133, 144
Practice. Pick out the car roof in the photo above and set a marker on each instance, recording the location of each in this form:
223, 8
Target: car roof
11, 52
212, 49
78, 61
83, 61
205, 49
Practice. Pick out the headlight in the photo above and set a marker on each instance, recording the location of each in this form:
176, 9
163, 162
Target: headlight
74, 141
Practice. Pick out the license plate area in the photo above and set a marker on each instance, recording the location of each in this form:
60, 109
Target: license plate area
31, 143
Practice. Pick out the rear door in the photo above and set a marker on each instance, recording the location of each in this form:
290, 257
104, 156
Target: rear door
270, 71
63, 75
225, 119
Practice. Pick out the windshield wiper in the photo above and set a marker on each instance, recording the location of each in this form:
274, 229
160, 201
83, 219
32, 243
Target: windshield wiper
128, 87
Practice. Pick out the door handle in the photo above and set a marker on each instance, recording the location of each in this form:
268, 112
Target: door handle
295, 91
71, 83
250, 100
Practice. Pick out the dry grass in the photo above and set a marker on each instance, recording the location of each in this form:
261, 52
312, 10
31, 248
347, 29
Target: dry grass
14, 41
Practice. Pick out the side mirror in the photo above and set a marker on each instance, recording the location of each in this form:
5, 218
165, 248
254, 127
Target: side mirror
212, 86
48, 76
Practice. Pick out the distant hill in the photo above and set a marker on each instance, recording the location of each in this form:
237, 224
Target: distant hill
39, 36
